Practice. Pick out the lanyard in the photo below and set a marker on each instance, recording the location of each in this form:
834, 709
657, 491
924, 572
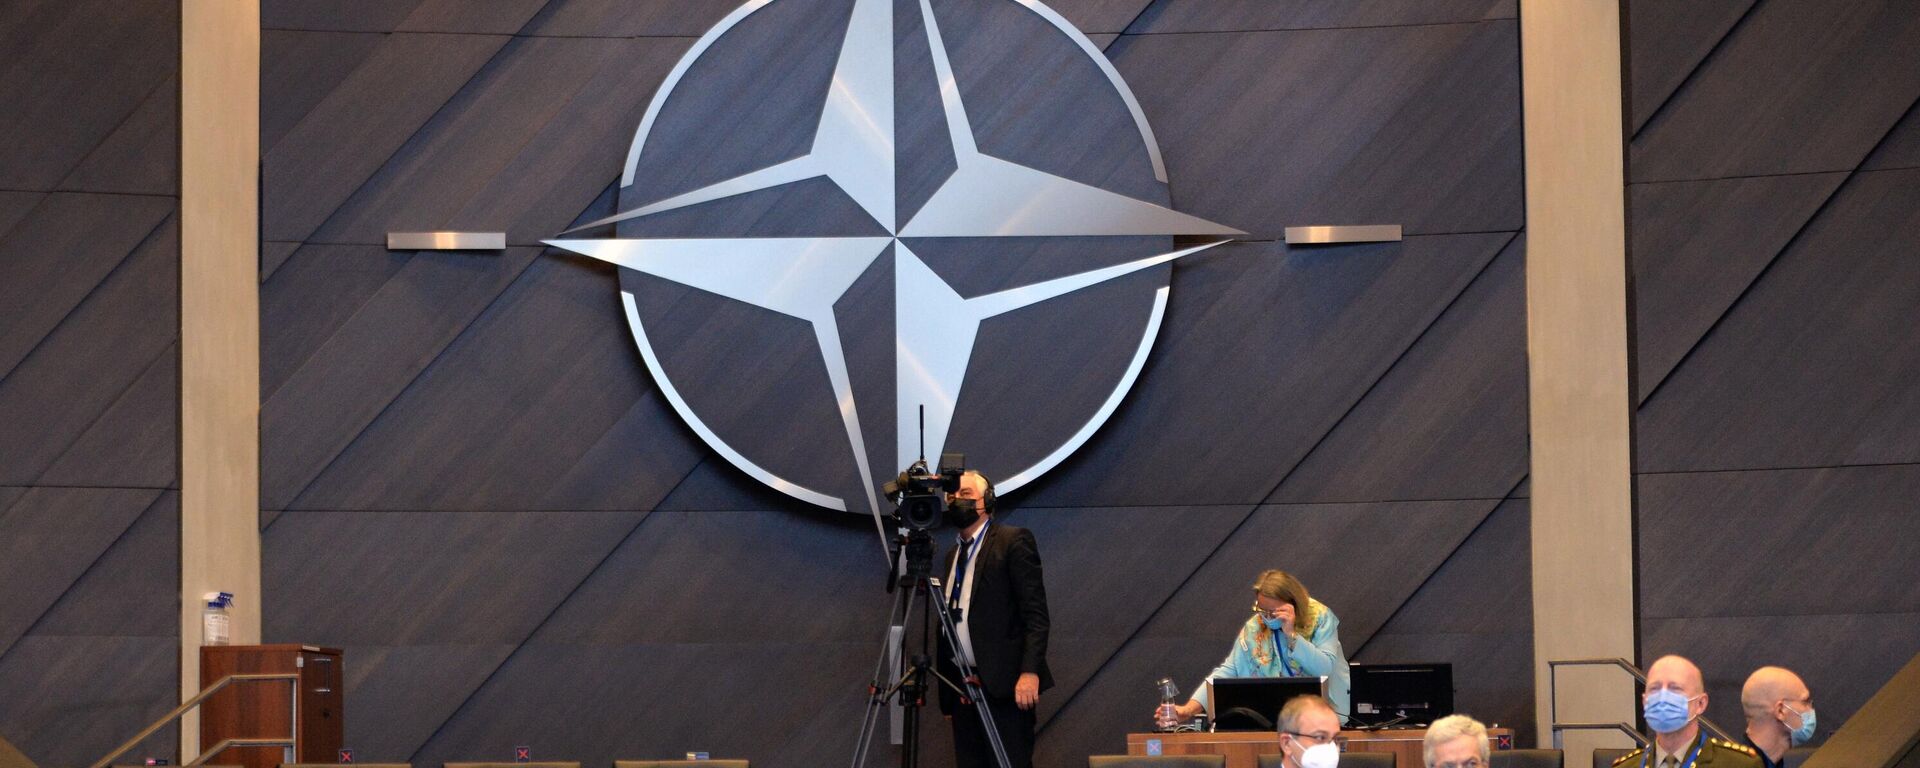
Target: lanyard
1691, 756
962, 565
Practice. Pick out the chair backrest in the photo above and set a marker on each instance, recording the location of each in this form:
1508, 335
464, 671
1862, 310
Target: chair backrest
1604, 757
1347, 760
356, 765
1528, 758
1164, 761
679, 764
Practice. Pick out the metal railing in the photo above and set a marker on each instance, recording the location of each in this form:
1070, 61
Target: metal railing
1553, 704
290, 742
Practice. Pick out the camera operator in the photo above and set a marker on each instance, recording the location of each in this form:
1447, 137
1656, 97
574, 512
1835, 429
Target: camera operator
994, 585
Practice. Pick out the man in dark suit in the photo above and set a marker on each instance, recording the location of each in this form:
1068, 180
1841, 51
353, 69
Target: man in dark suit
992, 580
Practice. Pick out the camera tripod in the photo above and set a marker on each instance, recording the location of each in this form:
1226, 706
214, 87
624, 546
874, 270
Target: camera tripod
911, 688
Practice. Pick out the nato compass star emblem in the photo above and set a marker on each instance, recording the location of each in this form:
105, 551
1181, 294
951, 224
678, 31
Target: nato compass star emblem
980, 198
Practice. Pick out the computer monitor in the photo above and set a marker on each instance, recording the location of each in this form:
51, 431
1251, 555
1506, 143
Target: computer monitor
1253, 703
1412, 695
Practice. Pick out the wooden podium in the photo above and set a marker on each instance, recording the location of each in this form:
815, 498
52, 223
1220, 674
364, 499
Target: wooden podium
266, 709
1244, 748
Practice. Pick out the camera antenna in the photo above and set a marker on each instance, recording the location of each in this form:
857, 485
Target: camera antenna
923, 433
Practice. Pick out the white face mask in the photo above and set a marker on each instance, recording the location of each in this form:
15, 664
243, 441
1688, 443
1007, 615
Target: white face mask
1320, 756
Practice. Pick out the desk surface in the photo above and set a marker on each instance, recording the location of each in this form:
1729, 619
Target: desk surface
1243, 748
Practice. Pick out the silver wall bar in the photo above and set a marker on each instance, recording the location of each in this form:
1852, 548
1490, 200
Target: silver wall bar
1362, 233
446, 241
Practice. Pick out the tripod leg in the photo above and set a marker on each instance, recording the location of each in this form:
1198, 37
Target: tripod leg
967, 676
886, 672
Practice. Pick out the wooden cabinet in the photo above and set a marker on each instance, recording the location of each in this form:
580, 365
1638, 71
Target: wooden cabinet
273, 709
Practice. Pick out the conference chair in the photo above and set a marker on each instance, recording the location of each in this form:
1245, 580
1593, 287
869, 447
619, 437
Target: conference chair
565, 764
679, 764
1528, 758
1603, 758
1164, 761
1347, 760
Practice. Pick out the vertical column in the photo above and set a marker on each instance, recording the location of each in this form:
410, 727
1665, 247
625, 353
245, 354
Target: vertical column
1581, 406
219, 324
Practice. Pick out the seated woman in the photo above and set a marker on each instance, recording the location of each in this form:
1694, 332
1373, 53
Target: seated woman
1289, 635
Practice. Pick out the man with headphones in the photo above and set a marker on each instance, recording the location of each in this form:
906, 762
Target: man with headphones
992, 581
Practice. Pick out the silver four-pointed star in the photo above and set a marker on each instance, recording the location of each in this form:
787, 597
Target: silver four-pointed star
804, 276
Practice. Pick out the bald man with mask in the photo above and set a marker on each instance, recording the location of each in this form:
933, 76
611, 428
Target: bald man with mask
1779, 711
1676, 697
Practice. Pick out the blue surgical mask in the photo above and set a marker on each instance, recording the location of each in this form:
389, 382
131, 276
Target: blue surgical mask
1804, 733
1666, 710
1273, 623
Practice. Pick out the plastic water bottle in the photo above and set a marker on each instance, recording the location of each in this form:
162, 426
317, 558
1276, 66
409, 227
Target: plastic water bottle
1167, 717
216, 626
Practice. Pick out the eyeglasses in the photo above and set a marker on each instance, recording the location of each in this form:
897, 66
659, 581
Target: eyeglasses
1273, 614
1471, 762
1322, 738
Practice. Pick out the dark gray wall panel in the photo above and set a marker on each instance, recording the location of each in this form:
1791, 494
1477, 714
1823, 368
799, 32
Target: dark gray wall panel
1449, 420
14, 207
299, 69
75, 72
1698, 530
781, 704
381, 349
317, 290
400, 695
509, 382
1247, 393
1666, 42
135, 441
528, 144
1362, 560
1237, 15
83, 367
62, 249
50, 537
350, 133
1815, 365
500, 17
1801, 86
1901, 149
523, 434
133, 588
142, 156
1259, 142
336, 15
1697, 245
1096, 17
70, 699
490, 577
621, 18
1841, 677
1476, 611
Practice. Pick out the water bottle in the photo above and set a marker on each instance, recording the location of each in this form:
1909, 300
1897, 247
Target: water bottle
216, 626
1167, 717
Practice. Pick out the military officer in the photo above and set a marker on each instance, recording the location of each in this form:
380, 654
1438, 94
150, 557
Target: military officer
1676, 698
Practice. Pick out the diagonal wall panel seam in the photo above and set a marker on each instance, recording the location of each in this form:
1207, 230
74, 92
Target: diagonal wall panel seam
68, 315
542, 623
1457, 546
115, 130
1103, 666
1697, 66
98, 556
1647, 396
171, 351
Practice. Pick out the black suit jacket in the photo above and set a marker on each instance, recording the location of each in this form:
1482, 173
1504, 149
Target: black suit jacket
1007, 620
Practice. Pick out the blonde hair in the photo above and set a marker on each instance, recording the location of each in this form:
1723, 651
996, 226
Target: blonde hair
1452, 727
1279, 585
